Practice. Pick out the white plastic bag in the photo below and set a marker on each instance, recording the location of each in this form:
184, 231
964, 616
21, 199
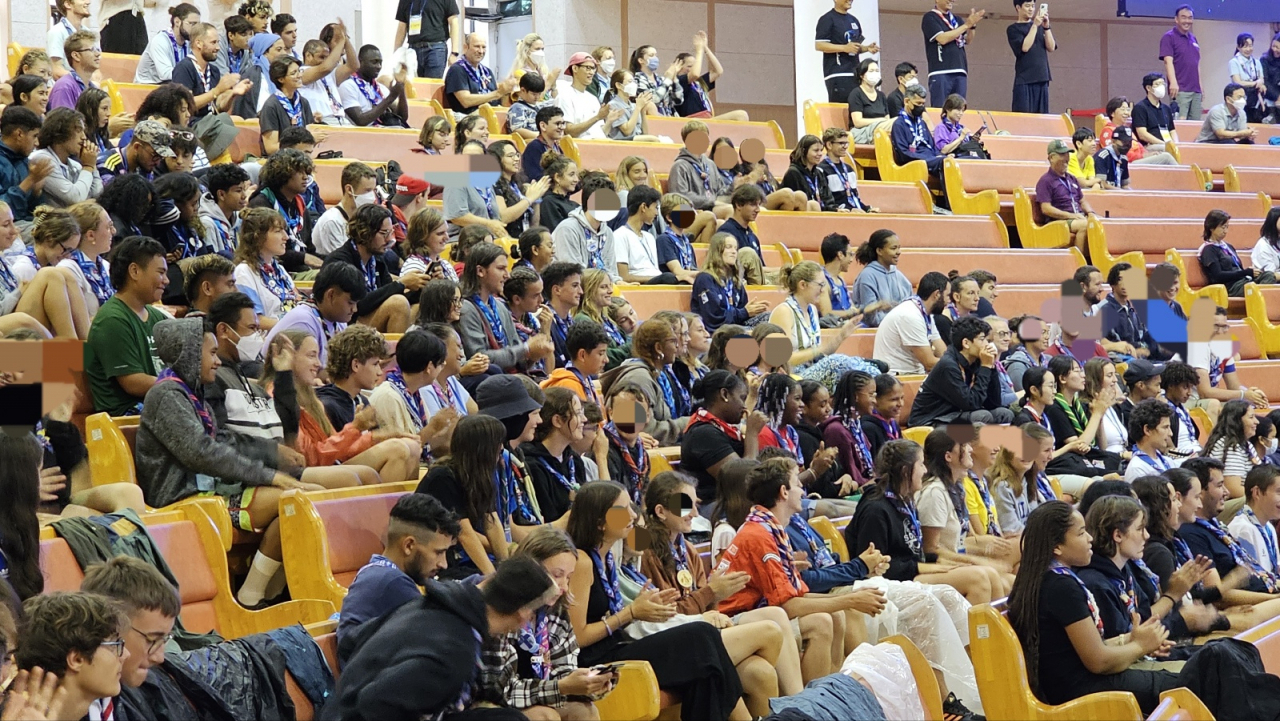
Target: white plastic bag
885, 667
404, 55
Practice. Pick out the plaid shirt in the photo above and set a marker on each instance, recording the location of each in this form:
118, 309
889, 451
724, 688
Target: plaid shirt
499, 675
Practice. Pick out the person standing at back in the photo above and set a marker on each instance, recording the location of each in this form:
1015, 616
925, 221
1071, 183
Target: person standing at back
431, 27
1031, 41
945, 38
1180, 53
840, 40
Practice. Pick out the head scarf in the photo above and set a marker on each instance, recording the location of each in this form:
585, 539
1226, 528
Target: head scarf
258, 46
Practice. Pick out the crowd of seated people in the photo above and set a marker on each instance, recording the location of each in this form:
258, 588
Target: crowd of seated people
488, 349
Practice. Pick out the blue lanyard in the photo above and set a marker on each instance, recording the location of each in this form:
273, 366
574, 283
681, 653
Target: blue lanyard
1160, 462
914, 537
595, 249
1063, 570
236, 60
1268, 536
587, 387
370, 268
480, 76
490, 312
180, 51
487, 195
683, 404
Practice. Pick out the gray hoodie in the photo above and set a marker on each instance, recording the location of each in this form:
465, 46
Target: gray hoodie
219, 230
634, 375
572, 244
175, 457
696, 178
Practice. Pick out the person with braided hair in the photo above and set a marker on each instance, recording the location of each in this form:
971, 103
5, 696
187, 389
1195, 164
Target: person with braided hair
853, 400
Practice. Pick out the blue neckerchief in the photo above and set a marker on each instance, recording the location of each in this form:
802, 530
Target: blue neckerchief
819, 555
490, 203
611, 329
607, 574
292, 108
570, 482
913, 536
1239, 554
682, 403
535, 640
96, 274
180, 51
1268, 535
788, 439
277, 280
490, 312
1160, 462
980, 483
839, 292
481, 76
1045, 488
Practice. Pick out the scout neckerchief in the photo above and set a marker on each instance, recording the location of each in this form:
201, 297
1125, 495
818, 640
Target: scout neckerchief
1160, 463
206, 418
95, 274
1268, 535
861, 446
491, 317
607, 573
1063, 570
911, 532
634, 458
535, 640
705, 416
1075, 411
570, 482
839, 292
890, 426
417, 410
808, 330
680, 554
292, 108
278, 282
763, 516
819, 555
788, 438
588, 388
1238, 553
993, 528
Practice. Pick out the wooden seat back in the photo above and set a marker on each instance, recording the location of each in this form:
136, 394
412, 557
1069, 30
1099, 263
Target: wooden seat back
805, 231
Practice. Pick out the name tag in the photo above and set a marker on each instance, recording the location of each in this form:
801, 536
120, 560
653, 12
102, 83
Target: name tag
415, 24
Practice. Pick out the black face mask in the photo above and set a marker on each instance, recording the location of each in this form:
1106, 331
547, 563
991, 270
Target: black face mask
917, 111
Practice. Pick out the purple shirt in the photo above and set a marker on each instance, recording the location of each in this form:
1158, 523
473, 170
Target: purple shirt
1185, 52
66, 91
305, 317
1061, 191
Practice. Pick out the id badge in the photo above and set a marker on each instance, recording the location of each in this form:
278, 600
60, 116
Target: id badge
415, 25
1165, 135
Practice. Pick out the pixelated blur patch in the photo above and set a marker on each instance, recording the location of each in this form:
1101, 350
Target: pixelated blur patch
776, 349
461, 171
752, 150
683, 218
629, 415
742, 351
604, 205
962, 432
726, 157
37, 377
617, 518
697, 142
640, 538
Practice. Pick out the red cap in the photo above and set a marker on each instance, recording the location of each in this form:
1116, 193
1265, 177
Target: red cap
409, 185
576, 59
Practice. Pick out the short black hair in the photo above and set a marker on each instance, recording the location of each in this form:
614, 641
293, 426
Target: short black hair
1082, 134
227, 308
932, 282
546, 115
224, 176
1231, 89
417, 349
1113, 275
341, 275
641, 195
1082, 273
531, 238
423, 511
594, 180
832, 245
1177, 373
1100, 489
516, 584
1201, 466
293, 136
237, 25
557, 273
1150, 79
202, 268
903, 69
968, 328
17, 117
282, 21
1146, 414
584, 335
135, 249
532, 82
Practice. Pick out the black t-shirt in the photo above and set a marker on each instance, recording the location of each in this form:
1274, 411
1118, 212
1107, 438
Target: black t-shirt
1062, 603
694, 102
949, 58
275, 117
442, 484
701, 448
435, 18
1146, 115
838, 29
1032, 66
858, 103
188, 75
893, 103
460, 76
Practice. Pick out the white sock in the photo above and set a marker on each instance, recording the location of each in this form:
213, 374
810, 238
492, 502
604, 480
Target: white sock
255, 585
276, 585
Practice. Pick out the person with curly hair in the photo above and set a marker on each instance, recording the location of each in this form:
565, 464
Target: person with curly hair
385, 306
258, 273
281, 186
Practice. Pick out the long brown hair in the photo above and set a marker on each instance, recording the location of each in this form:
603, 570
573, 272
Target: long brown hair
307, 398
1046, 529
474, 453
661, 490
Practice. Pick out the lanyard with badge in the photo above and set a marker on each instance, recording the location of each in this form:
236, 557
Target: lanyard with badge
415, 19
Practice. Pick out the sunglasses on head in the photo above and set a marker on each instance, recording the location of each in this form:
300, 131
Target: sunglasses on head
182, 135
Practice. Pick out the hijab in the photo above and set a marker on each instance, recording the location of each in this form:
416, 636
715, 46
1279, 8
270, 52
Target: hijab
258, 46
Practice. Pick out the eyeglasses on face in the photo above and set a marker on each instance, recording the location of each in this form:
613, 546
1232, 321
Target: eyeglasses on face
116, 646
153, 642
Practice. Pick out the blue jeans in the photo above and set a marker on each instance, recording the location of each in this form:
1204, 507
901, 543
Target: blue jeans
940, 86
432, 59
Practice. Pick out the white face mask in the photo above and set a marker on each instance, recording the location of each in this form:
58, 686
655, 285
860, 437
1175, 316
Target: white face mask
311, 180
1239, 103
912, 82
250, 346
629, 89
537, 56
368, 198
1159, 92
608, 66
873, 79
1271, 445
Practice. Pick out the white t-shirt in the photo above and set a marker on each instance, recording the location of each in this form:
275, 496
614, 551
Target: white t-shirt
330, 231
23, 269
937, 510
1251, 537
1112, 435
351, 96
721, 539
265, 302
639, 252
580, 106
1265, 257
435, 400
1138, 468
90, 299
324, 97
57, 36
902, 329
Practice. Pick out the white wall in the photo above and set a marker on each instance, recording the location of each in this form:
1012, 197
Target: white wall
809, 83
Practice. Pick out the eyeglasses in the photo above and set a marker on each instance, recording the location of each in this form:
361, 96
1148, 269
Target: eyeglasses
182, 135
117, 646
153, 643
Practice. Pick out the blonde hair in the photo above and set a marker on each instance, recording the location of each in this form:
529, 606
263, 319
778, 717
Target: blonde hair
307, 398
622, 178
88, 214
434, 124
673, 201
592, 279
805, 270
689, 358
715, 264
1002, 468
522, 61
53, 226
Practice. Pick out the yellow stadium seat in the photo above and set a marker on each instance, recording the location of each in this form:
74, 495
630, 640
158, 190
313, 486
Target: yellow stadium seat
1201, 417
636, 697
1100, 255
1001, 670
917, 434
1180, 704
1056, 485
1055, 234
1258, 317
1266, 638
110, 457
913, 172
926, 680
834, 538
658, 464
329, 535
1186, 296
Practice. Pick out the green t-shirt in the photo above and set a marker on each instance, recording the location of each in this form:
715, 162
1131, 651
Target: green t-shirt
119, 344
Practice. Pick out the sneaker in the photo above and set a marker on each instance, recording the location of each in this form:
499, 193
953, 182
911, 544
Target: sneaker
953, 710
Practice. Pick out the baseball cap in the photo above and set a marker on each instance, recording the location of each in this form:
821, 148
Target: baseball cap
504, 397
154, 134
408, 188
1059, 146
575, 60
1141, 369
1122, 132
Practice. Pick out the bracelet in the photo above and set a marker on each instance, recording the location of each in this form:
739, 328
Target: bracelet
608, 630
1171, 599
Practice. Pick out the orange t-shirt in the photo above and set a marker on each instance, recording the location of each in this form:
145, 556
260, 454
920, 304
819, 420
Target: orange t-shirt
754, 550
